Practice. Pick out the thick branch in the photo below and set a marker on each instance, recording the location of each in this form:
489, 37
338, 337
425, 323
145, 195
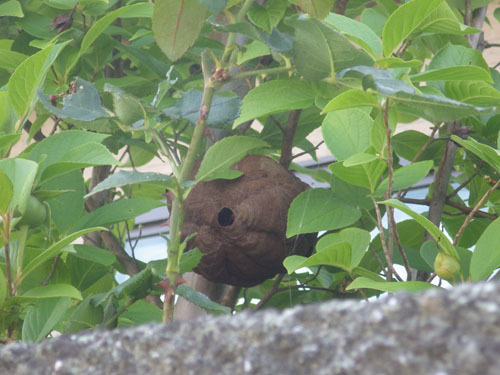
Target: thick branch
289, 134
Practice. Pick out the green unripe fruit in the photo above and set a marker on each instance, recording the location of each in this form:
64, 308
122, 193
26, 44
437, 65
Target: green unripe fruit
35, 214
446, 266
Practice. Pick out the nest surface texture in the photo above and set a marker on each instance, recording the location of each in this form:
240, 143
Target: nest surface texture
241, 223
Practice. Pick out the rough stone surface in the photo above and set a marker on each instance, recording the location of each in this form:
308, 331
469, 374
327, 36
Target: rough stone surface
453, 332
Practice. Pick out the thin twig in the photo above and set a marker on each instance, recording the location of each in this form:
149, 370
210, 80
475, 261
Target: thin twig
474, 210
388, 259
402, 252
308, 151
52, 270
465, 183
272, 291
379, 260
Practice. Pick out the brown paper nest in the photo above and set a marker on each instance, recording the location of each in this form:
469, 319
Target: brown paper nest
241, 223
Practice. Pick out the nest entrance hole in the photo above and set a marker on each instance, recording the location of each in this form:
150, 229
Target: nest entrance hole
225, 218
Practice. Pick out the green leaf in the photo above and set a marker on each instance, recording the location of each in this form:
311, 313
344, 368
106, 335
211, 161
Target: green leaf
66, 208
396, 62
253, 50
84, 104
336, 255
58, 145
214, 6
442, 241
120, 210
54, 250
358, 239
273, 97
391, 287
140, 312
201, 300
316, 8
30, 75
359, 159
122, 178
134, 10
9, 139
453, 73
135, 287
267, 16
406, 176
442, 20
486, 256
347, 132
320, 209
430, 107
10, 59
222, 155
21, 174
473, 92
223, 109
6, 192
454, 55
177, 24
364, 175
11, 8
358, 32
405, 20
189, 260
43, 317
94, 254
484, 152
86, 155
53, 290
350, 99
320, 51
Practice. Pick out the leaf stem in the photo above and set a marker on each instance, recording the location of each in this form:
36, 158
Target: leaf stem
251, 73
232, 36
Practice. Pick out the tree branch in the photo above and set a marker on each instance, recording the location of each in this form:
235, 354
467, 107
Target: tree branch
289, 134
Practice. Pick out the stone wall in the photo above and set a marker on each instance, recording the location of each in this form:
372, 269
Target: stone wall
454, 332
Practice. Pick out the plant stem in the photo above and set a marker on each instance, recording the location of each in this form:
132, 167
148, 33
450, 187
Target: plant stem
23, 234
472, 213
177, 214
251, 73
232, 36
6, 236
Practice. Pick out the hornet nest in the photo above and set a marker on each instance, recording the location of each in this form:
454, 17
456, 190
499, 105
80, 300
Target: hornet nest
241, 223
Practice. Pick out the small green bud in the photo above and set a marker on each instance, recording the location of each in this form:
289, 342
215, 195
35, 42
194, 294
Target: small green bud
446, 266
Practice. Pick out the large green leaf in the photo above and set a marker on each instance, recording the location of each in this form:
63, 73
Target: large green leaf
6, 192
11, 8
21, 174
84, 104
442, 20
94, 254
442, 241
275, 96
431, 107
453, 73
391, 287
177, 24
350, 99
120, 210
486, 256
223, 154
30, 75
316, 8
201, 300
365, 175
358, 32
10, 59
122, 178
315, 210
223, 109
65, 208
86, 155
484, 152
473, 92
53, 290
455, 55
337, 255
405, 20
267, 16
347, 132
406, 176
320, 50
42, 318
54, 250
